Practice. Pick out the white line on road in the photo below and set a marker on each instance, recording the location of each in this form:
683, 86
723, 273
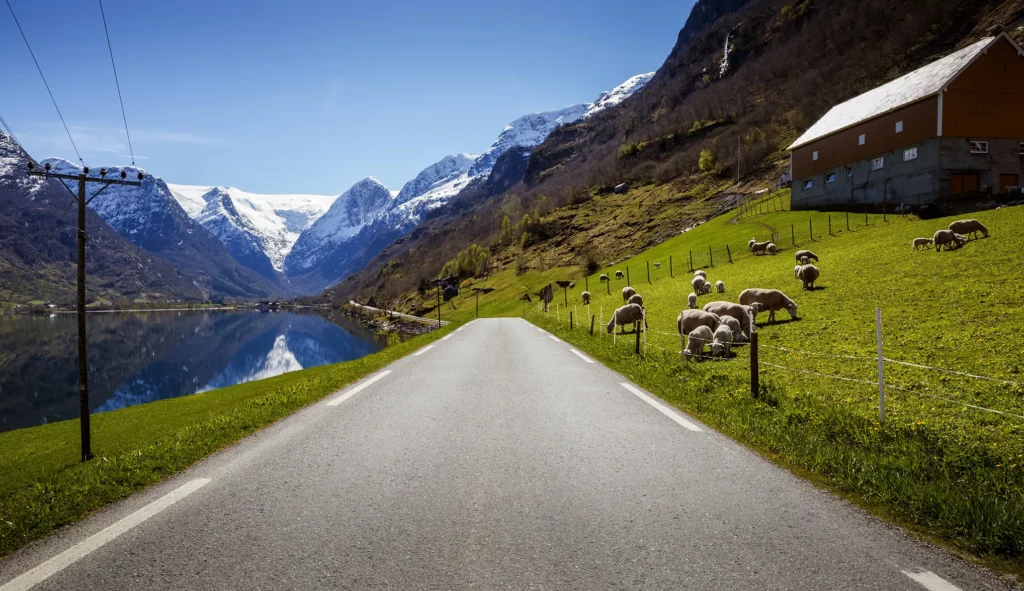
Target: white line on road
540, 330
932, 581
661, 408
82, 549
423, 350
582, 356
358, 388
448, 336
554, 338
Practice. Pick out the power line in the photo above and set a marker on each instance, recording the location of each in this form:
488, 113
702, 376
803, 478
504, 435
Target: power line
40, 70
10, 133
116, 82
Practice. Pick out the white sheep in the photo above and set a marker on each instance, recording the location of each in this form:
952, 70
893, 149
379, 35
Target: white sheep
628, 314
627, 292
740, 314
691, 319
586, 298
691, 300
722, 345
808, 274
700, 273
768, 299
750, 245
771, 248
968, 227
737, 329
695, 342
924, 243
636, 299
804, 260
720, 286
619, 274
806, 253
759, 247
657, 265
698, 285
949, 239
603, 278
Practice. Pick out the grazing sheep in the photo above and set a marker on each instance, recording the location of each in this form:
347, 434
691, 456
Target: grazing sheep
770, 300
619, 274
700, 273
759, 247
691, 319
627, 292
722, 345
737, 330
923, 243
691, 300
808, 274
968, 227
707, 288
720, 286
949, 239
804, 260
657, 265
771, 248
696, 341
572, 285
586, 298
603, 278
628, 314
698, 285
806, 253
636, 299
741, 314
750, 245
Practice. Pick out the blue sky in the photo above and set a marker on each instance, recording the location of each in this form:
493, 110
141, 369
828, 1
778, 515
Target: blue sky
310, 97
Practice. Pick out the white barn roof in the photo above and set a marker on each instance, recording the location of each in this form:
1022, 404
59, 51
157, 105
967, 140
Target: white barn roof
919, 84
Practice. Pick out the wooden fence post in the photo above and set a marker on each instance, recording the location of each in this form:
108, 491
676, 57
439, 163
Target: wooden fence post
691, 261
881, 366
755, 379
637, 331
847, 221
829, 224
810, 225
711, 257
591, 325
627, 275
670, 273
792, 233
648, 271
729, 253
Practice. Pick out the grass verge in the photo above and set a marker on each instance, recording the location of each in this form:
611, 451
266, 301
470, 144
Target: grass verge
44, 486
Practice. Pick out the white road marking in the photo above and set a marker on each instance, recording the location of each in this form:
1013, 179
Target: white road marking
554, 338
448, 336
932, 581
540, 330
423, 350
661, 408
356, 389
82, 549
582, 356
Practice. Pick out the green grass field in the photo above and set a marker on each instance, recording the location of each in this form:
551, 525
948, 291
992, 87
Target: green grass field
44, 486
941, 467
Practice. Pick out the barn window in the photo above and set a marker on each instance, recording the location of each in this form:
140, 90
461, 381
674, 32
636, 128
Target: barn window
1021, 147
910, 154
899, 127
878, 163
808, 184
849, 171
860, 141
979, 146
830, 177
814, 155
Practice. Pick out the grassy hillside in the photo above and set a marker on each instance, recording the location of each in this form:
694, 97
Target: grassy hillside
948, 469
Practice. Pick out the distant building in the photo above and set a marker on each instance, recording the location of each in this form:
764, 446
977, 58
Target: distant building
954, 127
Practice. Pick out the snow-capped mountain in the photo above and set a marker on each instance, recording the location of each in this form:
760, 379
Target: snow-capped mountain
437, 175
527, 131
619, 93
353, 210
258, 230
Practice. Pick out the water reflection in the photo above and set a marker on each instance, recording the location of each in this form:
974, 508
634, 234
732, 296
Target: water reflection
139, 358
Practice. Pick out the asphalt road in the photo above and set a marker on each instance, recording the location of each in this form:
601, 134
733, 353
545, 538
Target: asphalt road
497, 458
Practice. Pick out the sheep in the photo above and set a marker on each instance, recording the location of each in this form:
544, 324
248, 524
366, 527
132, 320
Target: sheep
806, 253
720, 286
700, 273
759, 247
740, 314
968, 227
946, 238
691, 319
808, 274
750, 245
706, 289
636, 299
695, 342
771, 248
698, 285
691, 300
572, 285
923, 243
657, 265
768, 299
804, 260
628, 314
722, 345
603, 278
586, 298
737, 329
619, 274
627, 292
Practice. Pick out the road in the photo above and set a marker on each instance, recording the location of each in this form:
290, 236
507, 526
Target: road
496, 458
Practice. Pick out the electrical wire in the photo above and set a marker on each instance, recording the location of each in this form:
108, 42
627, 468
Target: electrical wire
40, 70
117, 82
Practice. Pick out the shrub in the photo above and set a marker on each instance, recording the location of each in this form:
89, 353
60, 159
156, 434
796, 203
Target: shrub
707, 161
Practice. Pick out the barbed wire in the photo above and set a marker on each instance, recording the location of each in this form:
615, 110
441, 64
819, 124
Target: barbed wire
950, 371
832, 355
814, 373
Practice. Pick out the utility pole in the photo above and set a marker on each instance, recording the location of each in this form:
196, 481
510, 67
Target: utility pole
83, 360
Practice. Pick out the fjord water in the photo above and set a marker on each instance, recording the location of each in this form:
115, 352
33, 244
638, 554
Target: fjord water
136, 358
